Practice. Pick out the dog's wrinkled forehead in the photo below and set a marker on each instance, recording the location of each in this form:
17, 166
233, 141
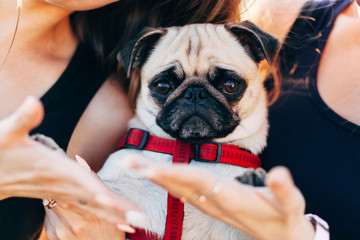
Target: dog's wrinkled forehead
198, 47
198, 50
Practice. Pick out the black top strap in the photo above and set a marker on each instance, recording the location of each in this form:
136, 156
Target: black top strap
68, 98
65, 102
306, 40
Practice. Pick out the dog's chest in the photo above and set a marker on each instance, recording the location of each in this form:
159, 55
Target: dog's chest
152, 199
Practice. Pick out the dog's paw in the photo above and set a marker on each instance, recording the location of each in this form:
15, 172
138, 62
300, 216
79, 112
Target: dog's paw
253, 177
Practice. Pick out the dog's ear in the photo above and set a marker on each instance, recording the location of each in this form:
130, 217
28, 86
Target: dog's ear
135, 53
258, 44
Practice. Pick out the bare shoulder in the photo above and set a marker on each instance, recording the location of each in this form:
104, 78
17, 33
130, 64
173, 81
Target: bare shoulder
341, 51
102, 125
274, 16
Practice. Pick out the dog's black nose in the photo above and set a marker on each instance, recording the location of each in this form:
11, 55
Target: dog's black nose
196, 94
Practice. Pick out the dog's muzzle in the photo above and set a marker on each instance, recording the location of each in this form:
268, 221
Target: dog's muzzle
197, 116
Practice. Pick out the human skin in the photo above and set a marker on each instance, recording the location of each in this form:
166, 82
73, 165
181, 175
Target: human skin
43, 46
340, 52
285, 203
65, 216
284, 199
44, 31
272, 212
280, 15
30, 169
80, 4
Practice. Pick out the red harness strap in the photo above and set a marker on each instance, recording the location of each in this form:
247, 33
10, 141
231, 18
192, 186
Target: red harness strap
182, 152
175, 208
206, 152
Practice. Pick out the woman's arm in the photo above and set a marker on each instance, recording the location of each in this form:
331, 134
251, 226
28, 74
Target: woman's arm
30, 169
101, 126
274, 16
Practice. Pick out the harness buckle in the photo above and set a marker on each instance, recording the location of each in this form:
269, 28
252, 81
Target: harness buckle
143, 141
197, 152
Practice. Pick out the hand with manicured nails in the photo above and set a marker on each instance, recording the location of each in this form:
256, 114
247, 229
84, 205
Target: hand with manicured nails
272, 212
30, 169
64, 222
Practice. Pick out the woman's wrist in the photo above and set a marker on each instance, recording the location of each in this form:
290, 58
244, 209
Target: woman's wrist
321, 228
311, 227
300, 229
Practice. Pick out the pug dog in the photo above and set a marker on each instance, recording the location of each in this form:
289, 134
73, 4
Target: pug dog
199, 83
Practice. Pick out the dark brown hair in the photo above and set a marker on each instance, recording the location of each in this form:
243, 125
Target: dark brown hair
107, 29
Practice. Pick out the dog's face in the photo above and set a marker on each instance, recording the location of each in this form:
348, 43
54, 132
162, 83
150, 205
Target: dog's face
202, 82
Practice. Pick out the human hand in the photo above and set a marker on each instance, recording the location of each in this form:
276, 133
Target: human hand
64, 222
272, 212
29, 169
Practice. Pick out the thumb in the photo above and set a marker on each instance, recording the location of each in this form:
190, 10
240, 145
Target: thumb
286, 194
28, 116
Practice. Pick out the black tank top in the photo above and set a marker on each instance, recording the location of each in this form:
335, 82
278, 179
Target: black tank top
321, 149
64, 103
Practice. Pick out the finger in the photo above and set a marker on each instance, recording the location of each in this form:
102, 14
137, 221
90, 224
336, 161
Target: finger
51, 224
77, 222
87, 192
28, 116
105, 204
172, 177
125, 228
50, 231
128, 211
284, 191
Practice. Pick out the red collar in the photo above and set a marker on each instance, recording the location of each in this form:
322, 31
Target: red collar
182, 153
206, 152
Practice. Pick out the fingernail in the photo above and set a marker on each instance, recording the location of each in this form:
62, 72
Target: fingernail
125, 228
82, 162
137, 219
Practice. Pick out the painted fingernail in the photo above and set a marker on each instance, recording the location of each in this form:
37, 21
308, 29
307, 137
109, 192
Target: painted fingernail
82, 162
137, 219
125, 228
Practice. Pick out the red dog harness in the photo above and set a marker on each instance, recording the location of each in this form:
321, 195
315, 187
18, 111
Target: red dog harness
183, 152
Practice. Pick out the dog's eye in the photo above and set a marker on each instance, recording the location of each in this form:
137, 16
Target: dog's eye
163, 88
231, 86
